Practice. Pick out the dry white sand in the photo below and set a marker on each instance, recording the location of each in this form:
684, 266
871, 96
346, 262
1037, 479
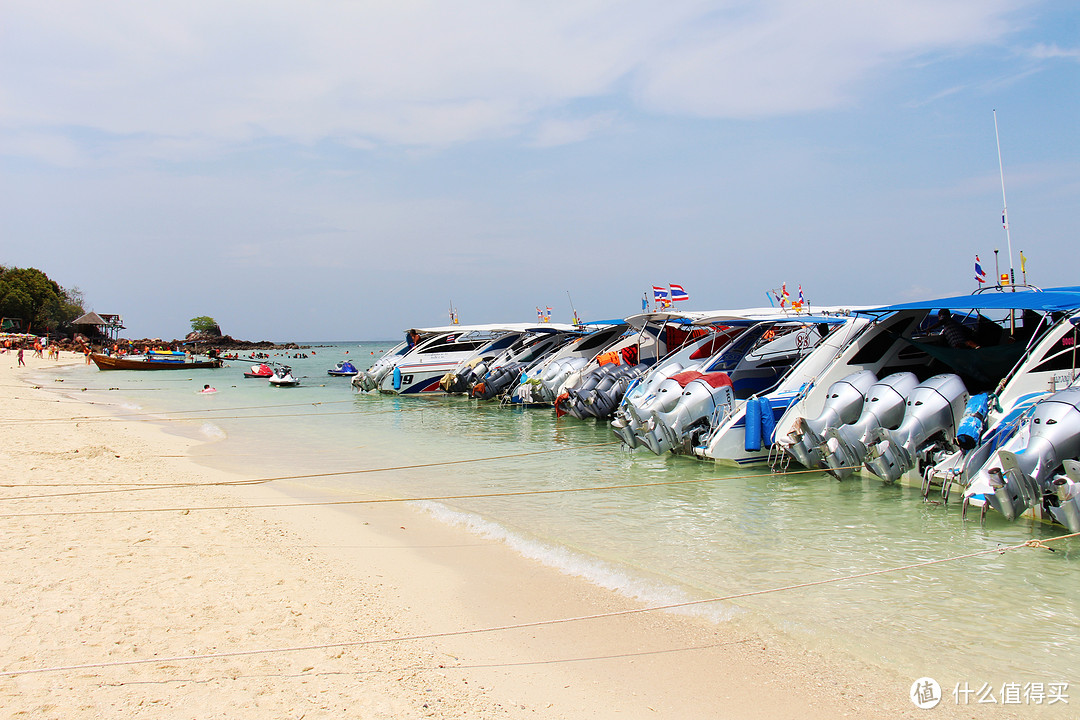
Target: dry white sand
121, 598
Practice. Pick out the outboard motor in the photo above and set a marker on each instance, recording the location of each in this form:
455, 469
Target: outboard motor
933, 408
555, 375
638, 402
495, 381
844, 448
843, 404
700, 398
454, 383
572, 401
1053, 437
1067, 493
603, 400
365, 381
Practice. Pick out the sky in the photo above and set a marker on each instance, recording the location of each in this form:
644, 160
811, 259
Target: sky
333, 170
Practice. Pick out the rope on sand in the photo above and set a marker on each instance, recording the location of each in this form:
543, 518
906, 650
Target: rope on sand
534, 623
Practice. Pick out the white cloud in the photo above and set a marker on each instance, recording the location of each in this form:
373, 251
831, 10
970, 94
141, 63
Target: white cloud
431, 73
1052, 51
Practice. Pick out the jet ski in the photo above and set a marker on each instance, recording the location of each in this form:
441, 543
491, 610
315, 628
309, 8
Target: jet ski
262, 370
343, 369
283, 377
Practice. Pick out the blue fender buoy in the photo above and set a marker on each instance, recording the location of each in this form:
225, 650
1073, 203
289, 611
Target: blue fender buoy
768, 422
753, 425
969, 431
397, 379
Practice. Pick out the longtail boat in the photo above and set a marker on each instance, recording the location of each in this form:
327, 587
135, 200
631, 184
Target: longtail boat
108, 362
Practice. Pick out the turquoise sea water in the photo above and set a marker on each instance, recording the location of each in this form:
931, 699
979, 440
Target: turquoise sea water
997, 618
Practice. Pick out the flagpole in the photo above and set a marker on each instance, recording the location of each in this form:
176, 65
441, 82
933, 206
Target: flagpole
572, 308
1004, 206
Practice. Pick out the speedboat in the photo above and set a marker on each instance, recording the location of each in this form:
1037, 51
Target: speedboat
542, 382
498, 352
599, 387
1036, 468
368, 380
443, 350
262, 370
653, 391
713, 408
343, 369
929, 416
489, 379
785, 357
283, 377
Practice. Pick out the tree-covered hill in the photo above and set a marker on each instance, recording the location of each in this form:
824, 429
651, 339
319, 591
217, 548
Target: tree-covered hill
43, 306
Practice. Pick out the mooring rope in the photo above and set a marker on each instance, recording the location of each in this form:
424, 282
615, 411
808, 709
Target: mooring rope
372, 501
535, 623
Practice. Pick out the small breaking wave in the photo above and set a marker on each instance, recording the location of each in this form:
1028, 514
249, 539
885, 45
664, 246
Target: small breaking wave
212, 431
572, 563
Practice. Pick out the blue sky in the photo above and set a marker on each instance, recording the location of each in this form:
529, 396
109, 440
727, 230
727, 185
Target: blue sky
345, 170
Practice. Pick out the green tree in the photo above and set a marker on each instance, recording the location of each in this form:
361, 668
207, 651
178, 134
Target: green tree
204, 323
29, 294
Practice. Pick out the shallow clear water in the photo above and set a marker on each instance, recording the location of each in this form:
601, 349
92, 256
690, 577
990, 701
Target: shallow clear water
1011, 617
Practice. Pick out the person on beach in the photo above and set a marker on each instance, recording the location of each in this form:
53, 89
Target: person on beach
22, 363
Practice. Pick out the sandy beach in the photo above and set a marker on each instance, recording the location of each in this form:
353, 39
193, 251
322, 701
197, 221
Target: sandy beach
141, 584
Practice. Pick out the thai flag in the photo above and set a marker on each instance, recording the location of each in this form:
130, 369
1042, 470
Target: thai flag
677, 293
801, 301
547, 315
539, 315
980, 274
659, 294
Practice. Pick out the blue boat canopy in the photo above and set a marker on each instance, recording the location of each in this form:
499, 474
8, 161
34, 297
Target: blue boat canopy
1058, 300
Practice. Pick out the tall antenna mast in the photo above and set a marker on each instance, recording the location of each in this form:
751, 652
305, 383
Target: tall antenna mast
1004, 206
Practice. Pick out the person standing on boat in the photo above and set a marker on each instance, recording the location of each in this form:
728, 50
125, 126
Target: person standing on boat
412, 338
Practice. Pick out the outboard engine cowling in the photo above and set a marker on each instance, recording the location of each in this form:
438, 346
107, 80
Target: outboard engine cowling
633, 406
1020, 478
496, 381
1067, 491
555, 375
607, 395
934, 407
844, 448
843, 404
698, 400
